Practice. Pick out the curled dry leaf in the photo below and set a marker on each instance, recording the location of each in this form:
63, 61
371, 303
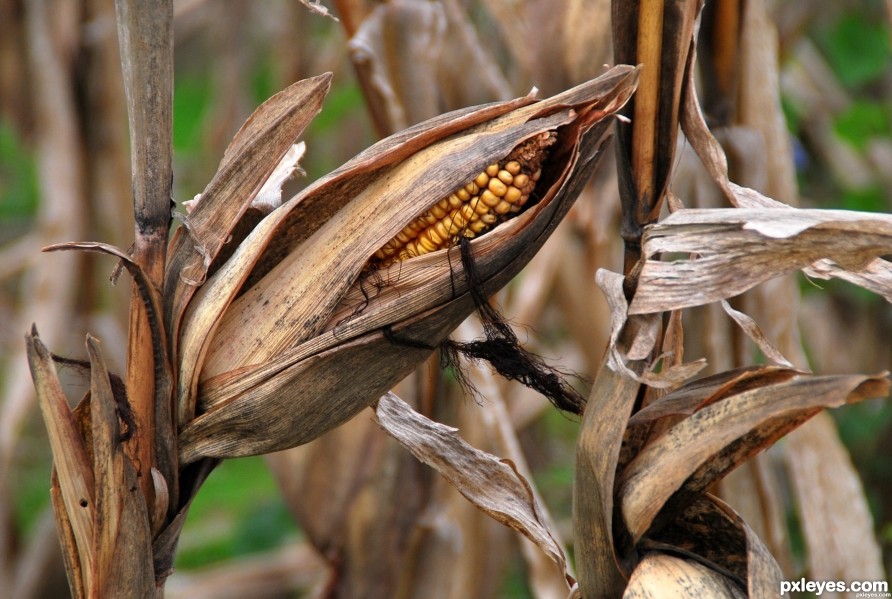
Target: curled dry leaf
732, 250
752, 330
716, 539
267, 339
705, 446
643, 330
493, 485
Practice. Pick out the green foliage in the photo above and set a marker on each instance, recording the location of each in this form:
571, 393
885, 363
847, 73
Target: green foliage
191, 99
18, 176
238, 511
857, 47
862, 121
867, 199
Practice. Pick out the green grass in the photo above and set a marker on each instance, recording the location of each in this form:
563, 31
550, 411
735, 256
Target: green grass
18, 176
238, 511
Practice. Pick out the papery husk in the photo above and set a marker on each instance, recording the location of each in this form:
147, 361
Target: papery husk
287, 390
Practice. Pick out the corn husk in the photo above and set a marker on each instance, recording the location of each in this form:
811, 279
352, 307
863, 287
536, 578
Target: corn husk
284, 342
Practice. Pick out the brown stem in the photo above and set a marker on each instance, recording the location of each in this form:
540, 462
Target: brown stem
145, 33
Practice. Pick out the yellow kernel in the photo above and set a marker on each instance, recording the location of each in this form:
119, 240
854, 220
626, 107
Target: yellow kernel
426, 244
513, 195
513, 167
467, 211
521, 180
428, 218
489, 219
492, 170
502, 207
477, 226
481, 180
489, 198
441, 229
505, 177
472, 188
457, 223
497, 187
480, 207
438, 212
454, 201
463, 194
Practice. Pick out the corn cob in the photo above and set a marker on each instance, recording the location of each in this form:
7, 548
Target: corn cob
493, 196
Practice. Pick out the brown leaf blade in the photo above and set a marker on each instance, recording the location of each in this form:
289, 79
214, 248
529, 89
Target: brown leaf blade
493, 485
597, 452
72, 466
121, 532
666, 465
735, 249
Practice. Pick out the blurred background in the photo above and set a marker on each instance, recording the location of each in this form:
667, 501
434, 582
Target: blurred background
281, 524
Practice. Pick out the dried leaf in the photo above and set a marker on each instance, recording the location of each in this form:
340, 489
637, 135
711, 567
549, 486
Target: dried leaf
121, 531
752, 419
708, 390
597, 451
493, 485
164, 452
643, 330
315, 7
752, 330
72, 466
247, 163
736, 249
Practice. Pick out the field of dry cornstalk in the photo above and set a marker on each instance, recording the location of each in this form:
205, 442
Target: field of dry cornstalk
548, 299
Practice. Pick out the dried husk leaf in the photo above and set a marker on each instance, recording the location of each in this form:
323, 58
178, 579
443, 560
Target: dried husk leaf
703, 447
737, 249
712, 531
493, 485
248, 161
597, 450
72, 466
299, 219
288, 306
121, 532
757, 491
242, 403
163, 448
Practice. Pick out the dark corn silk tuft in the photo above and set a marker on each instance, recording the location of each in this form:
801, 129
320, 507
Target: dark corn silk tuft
492, 197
